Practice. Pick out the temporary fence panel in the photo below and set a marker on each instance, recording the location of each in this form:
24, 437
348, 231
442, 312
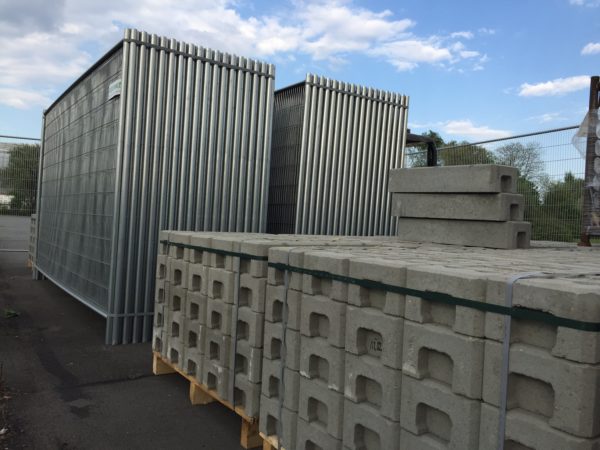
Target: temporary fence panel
159, 134
333, 146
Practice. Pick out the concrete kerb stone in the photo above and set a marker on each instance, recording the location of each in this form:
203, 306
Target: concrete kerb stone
374, 386
478, 178
162, 267
196, 307
249, 327
525, 430
436, 418
252, 292
163, 247
322, 362
194, 336
322, 406
216, 378
313, 436
271, 384
565, 392
178, 273
435, 352
273, 345
201, 240
221, 284
161, 291
247, 395
178, 237
249, 361
217, 348
274, 306
365, 430
269, 417
194, 362
219, 316
371, 332
197, 278
321, 317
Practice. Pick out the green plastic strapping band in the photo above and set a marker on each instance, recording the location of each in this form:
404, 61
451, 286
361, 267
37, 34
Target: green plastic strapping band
216, 251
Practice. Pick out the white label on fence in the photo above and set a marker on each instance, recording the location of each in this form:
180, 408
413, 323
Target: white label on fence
114, 89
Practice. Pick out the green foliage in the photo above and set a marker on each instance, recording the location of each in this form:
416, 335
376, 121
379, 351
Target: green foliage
19, 177
526, 158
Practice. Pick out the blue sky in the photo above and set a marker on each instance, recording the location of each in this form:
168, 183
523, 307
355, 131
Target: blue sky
474, 70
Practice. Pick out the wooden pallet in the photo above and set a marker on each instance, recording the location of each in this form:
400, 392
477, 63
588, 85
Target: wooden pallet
270, 442
201, 395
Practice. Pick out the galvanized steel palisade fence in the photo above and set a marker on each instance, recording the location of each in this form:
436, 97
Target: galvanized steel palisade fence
18, 184
333, 146
551, 176
182, 143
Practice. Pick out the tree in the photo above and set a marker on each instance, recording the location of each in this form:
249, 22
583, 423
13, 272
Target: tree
465, 153
526, 158
19, 178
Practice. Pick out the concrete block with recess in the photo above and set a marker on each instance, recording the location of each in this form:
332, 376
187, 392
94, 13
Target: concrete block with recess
480, 178
527, 431
387, 272
325, 287
436, 418
221, 284
321, 317
162, 267
252, 292
320, 406
194, 360
320, 361
216, 378
457, 282
219, 316
486, 207
246, 395
175, 352
248, 361
196, 307
249, 327
312, 436
273, 345
218, 348
371, 332
161, 291
178, 237
271, 383
175, 326
223, 243
274, 306
566, 393
197, 255
163, 246
194, 337
178, 273
365, 430
576, 298
472, 233
374, 386
160, 316
432, 351
269, 419
197, 278
177, 299
159, 343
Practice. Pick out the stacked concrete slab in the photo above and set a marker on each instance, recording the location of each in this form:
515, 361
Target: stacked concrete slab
473, 205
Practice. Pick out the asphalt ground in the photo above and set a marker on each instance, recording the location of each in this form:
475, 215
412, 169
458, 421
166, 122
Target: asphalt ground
62, 388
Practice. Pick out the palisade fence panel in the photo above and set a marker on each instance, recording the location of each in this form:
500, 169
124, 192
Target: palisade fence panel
333, 146
178, 137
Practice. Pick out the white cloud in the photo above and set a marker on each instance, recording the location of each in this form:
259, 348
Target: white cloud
48, 44
488, 31
466, 128
22, 99
559, 86
591, 49
548, 117
588, 3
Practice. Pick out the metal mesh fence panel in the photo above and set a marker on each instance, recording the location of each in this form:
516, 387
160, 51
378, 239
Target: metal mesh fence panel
551, 176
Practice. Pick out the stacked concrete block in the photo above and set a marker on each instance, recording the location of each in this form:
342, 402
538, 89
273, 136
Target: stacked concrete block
462, 205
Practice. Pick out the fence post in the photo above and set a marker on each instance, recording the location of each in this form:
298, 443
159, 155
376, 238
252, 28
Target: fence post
590, 156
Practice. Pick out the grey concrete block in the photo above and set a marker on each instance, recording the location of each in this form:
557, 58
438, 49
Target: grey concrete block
322, 362
175, 352
365, 430
161, 291
527, 431
197, 255
311, 436
175, 325
276, 295
194, 337
457, 282
435, 352
269, 419
246, 395
219, 316
566, 393
178, 273
371, 332
162, 267
197, 278
274, 347
252, 292
321, 407
480, 178
218, 348
221, 284
501, 235
373, 385
487, 207
194, 360
321, 317
163, 248
160, 316
436, 417
272, 385
196, 307
253, 267
248, 361
249, 327
216, 378
177, 299
332, 289
159, 343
